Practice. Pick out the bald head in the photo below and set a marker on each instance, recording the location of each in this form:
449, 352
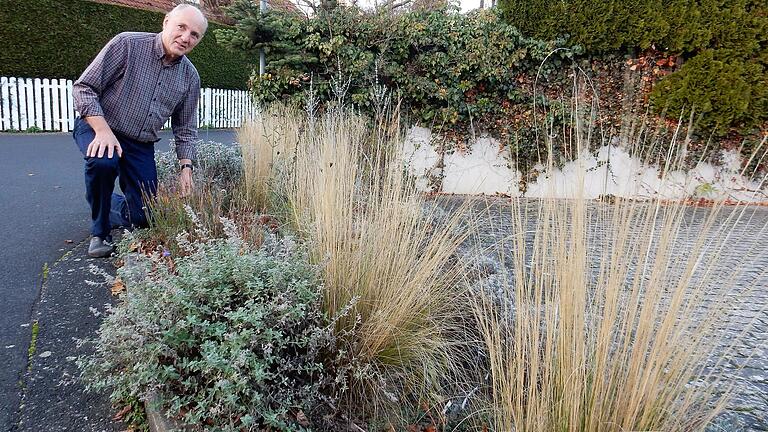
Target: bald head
190, 9
183, 28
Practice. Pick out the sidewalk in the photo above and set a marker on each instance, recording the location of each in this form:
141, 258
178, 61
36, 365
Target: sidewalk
53, 398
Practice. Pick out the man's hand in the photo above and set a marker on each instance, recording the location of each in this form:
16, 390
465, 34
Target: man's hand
105, 140
185, 179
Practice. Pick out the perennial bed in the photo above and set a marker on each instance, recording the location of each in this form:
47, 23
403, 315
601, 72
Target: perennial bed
313, 288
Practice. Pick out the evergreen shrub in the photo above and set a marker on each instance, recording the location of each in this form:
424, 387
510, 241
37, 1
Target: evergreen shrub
722, 93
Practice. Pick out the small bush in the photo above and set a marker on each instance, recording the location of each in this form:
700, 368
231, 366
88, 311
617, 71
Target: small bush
217, 177
217, 165
227, 336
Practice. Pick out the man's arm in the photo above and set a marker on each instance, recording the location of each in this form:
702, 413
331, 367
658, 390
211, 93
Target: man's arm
100, 74
184, 125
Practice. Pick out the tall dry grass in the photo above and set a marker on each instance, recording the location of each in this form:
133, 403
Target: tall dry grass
609, 315
268, 146
391, 285
382, 254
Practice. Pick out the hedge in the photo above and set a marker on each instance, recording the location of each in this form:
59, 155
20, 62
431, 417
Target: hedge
722, 46
59, 38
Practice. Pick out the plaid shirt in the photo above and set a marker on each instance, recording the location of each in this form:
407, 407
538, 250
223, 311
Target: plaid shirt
128, 84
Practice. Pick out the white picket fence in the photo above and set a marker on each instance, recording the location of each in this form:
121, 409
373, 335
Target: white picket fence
47, 105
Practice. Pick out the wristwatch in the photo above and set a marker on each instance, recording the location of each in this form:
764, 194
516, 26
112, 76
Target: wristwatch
186, 165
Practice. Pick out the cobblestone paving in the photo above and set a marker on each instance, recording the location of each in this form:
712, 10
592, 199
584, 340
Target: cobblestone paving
738, 273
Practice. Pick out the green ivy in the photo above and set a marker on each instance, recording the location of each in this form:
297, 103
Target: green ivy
453, 71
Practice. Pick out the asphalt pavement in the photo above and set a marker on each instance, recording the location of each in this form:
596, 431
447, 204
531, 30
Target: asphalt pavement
43, 216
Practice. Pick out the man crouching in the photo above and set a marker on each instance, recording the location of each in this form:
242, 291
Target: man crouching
124, 98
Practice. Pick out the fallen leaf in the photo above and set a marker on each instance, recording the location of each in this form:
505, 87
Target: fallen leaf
133, 247
117, 287
430, 428
302, 418
120, 414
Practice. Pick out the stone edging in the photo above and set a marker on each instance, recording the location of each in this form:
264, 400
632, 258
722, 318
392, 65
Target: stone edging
157, 421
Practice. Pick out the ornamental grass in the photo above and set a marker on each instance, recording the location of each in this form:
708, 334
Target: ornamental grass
611, 315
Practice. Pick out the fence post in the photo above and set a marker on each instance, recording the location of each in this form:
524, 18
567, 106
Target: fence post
14, 103
46, 88
71, 112
22, 89
207, 107
63, 110
38, 103
229, 108
29, 89
56, 118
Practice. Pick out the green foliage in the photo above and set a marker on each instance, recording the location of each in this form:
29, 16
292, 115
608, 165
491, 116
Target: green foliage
58, 39
227, 336
680, 26
275, 32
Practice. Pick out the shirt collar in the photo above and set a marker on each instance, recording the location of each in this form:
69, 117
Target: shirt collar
159, 50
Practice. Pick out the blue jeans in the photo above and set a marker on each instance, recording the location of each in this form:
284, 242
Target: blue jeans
138, 175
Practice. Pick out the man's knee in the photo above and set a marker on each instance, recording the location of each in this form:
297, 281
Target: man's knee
102, 166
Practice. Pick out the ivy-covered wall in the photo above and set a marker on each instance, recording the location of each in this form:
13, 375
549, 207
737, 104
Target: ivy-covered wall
465, 75
59, 38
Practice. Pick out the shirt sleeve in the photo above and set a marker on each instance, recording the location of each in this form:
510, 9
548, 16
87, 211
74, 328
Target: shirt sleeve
184, 122
100, 74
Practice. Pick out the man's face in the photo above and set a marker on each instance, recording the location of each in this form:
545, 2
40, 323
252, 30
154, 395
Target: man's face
182, 31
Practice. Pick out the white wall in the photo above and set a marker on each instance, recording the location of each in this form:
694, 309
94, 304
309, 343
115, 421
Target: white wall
486, 168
